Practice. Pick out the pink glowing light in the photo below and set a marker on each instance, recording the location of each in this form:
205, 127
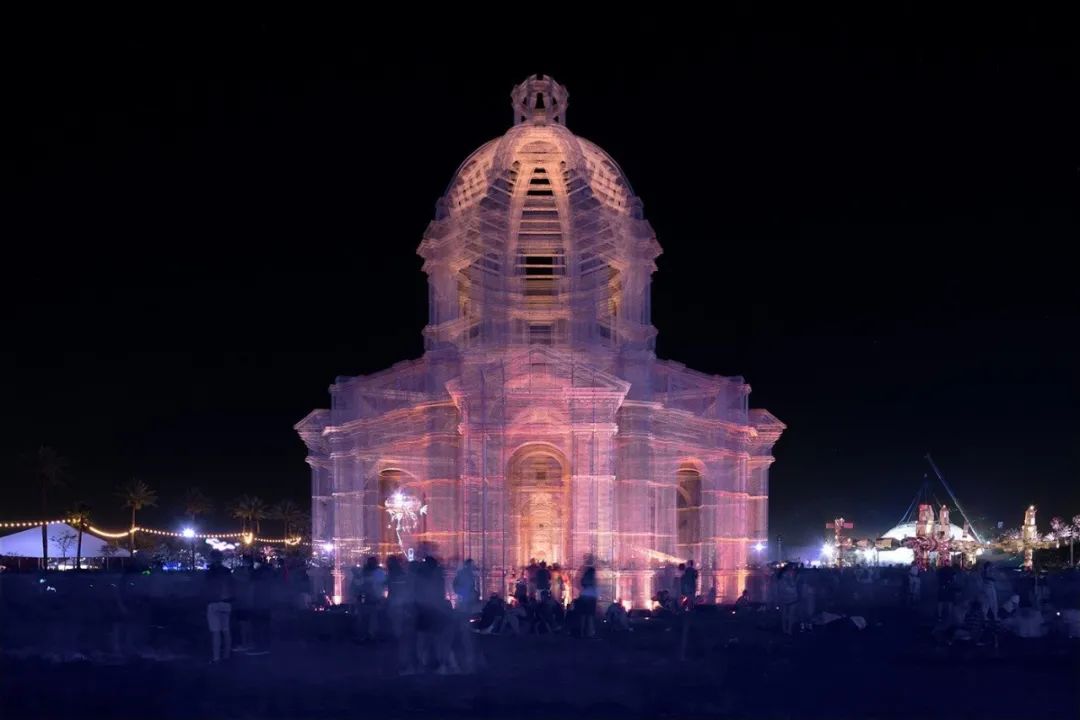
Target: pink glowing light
405, 511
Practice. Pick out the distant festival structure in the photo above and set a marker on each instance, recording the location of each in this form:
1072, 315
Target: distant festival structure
539, 423
931, 539
842, 544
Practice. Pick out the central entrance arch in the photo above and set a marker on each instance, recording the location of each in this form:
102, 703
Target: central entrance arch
539, 479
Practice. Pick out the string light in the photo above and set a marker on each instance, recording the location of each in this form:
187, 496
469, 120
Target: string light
201, 536
246, 536
31, 523
105, 534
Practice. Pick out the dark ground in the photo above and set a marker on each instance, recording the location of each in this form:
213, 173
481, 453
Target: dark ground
738, 666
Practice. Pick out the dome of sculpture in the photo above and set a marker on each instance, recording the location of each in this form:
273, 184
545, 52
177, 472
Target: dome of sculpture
538, 137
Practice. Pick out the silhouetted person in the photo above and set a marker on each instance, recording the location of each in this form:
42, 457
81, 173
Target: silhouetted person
989, 583
244, 607
219, 595
586, 606
688, 584
433, 622
401, 604
491, 617
787, 595
616, 618
521, 589
914, 585
372, 586
466, 605
543, 580
944, 592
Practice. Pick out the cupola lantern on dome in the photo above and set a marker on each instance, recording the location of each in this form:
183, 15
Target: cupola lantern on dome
539, 101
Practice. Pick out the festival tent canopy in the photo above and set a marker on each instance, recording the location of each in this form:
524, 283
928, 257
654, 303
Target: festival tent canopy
27, 543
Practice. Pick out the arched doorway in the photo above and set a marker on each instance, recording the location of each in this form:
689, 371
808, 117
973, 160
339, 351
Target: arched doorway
688, 512
538, 479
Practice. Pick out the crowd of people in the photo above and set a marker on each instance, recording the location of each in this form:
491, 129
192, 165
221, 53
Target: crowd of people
971, 604
149, 612
433, 613
408, 602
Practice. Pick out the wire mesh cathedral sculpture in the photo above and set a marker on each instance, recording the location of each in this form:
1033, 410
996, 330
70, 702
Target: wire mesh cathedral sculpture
539, 423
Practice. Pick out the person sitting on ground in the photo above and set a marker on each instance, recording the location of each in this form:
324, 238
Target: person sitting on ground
1009, 607
545, 614
1026, 622
515, 617
521, 589
974, 623
491, 617
664, 606
615, 617
1070, 616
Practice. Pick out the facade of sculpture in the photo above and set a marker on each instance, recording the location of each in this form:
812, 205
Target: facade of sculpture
539, 423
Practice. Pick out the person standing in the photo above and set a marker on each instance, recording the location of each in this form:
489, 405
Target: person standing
245, 604
219, 595
914, 585
688, 585
543, 581
466, 605
521, 589
401, 602
558, 585
372, 588
807, 600
989, 586
944, 592
787, 593
587, 602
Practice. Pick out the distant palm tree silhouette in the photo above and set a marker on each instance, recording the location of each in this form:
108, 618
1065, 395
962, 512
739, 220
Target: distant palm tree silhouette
137, 495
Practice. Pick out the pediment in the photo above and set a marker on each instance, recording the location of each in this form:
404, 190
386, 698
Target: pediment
529, 370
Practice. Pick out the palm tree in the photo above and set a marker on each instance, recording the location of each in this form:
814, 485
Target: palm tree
303, 525
51, 468
79, 516
137, 495
288, 513
251, 510
196, 503
1066, 530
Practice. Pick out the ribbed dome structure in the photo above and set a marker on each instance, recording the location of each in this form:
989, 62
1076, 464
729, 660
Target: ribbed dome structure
539, 239
539, 423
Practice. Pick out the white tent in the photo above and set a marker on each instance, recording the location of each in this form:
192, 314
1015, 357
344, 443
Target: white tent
27, 543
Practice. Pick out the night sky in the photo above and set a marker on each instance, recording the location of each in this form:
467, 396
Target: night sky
873, 223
